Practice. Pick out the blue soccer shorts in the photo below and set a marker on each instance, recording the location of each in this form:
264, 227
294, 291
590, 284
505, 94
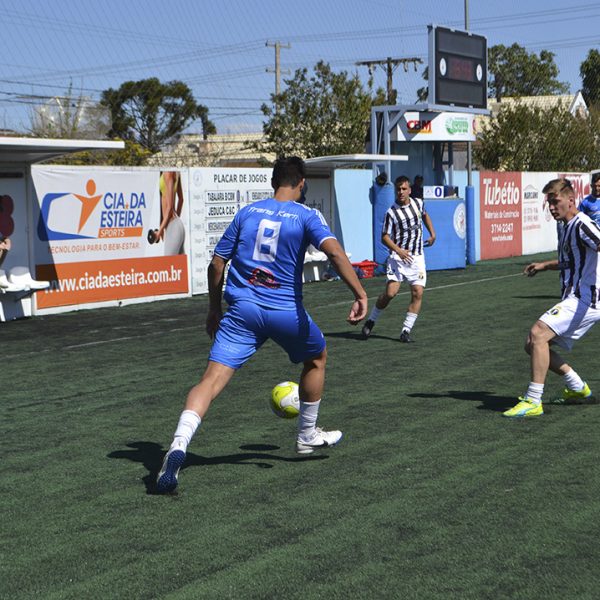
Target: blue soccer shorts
245, 327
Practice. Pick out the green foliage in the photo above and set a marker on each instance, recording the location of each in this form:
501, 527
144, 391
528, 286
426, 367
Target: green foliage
528, 138
133, 155
317, 115
590, 77
151, 113
515, 72
423, 92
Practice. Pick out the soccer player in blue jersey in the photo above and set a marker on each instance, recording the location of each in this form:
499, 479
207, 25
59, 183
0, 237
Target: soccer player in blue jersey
576, 313
266, 243
590, 205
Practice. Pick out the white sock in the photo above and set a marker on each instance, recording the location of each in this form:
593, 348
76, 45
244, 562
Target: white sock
307, 421
534, 392
573, 381
375, 313
409, 321
189, 421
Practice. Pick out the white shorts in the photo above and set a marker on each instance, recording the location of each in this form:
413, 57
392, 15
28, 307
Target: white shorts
414, 273
570, 319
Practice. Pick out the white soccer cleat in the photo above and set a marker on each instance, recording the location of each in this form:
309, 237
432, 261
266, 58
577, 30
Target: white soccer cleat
321, 439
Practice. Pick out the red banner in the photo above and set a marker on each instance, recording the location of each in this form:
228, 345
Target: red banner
500, 214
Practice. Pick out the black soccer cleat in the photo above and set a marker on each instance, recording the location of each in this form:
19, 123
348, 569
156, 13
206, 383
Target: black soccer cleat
405, 337
367, 328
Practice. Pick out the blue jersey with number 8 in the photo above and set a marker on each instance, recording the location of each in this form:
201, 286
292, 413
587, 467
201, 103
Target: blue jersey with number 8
266, 243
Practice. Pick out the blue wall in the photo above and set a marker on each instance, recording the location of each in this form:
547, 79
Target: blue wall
353, 216
449, 250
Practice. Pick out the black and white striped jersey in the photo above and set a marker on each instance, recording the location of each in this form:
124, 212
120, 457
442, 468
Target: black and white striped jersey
404, 224
578, 259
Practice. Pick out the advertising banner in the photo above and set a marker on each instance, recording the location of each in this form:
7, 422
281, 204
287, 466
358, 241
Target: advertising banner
539, 227
105, 235
580, 182
500, 214
435, 127
216, 195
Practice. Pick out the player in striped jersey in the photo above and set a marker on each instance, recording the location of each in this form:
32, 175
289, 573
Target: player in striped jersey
579, 309
403, 235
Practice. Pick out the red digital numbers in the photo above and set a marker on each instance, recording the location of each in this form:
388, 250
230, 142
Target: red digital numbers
461, 69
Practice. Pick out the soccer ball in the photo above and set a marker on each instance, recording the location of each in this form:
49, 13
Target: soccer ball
285, 401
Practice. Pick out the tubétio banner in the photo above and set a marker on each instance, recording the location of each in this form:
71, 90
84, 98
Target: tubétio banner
107, 235
500, 214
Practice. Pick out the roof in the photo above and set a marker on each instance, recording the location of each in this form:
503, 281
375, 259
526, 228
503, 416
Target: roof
349, 160
572, 102
33, 150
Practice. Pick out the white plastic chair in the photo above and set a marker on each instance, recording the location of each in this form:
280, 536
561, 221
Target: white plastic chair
21, 277
8, 286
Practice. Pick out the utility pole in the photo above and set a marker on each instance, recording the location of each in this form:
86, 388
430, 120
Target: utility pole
469, 147
390, 65
277, 70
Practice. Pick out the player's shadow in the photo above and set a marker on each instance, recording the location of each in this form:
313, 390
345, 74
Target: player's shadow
488, 401
357, 335
151, 454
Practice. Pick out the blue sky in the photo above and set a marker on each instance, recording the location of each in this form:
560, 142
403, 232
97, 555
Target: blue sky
219, 48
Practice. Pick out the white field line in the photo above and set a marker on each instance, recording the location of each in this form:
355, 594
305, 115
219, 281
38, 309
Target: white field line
431, 289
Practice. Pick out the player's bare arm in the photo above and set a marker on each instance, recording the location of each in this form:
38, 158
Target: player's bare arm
216, 276
334, 251
534, 268
430, 229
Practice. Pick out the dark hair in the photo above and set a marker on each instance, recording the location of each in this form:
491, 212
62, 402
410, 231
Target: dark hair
595, 177
288, 172
556, 186
400, 180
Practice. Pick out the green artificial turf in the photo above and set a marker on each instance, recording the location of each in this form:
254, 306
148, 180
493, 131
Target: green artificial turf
432, 494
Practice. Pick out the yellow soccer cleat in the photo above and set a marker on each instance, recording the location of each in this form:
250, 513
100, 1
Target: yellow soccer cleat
576, 396
525, 408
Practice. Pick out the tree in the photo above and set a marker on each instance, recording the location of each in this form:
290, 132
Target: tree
423, 93
70, 117
515, 72
528, 138
590, 78
133, 155
318, 115
151, 113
